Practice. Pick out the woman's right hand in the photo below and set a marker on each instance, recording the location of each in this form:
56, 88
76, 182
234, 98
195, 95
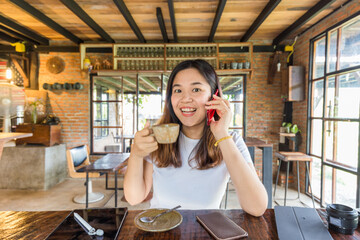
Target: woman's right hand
144, 143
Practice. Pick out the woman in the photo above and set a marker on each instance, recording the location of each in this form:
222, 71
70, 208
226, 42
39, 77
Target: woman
192, 172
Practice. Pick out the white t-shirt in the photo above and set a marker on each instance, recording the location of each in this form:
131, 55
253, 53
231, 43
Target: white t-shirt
189, 187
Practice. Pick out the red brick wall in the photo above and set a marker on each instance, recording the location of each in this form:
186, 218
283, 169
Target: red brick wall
264, 105
71, 106
301, 57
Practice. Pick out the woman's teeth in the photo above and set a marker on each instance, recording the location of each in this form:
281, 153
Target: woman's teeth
188, 109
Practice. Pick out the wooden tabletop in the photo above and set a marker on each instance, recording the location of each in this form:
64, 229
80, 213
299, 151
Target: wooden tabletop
5, 137
109, 163
255, 142
10, 136
37, 225
29, 225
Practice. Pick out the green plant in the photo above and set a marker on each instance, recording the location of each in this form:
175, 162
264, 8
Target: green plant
294, 129
285, 124
291, 128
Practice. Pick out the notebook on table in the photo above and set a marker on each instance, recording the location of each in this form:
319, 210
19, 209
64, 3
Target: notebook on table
110, 220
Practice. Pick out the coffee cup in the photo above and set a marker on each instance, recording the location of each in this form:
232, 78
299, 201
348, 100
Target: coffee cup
166, 133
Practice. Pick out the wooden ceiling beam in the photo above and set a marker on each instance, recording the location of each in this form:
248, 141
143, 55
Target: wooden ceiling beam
260, 19
46, 20
7, 38
26, 32
312, 12
117, 84
230, 85
216, 21
172, 18
127, 15
149, 83
133, 83
78, 11
160, 19
18, 35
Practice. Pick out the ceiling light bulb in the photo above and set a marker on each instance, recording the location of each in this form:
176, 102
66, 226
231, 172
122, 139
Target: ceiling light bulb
8, 73
278, 66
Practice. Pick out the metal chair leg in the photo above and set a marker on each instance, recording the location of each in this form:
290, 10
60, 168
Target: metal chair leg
298, 179
226, 193
286, 181
277, 177
308, 175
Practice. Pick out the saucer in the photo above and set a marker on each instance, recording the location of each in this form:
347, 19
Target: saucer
163, 223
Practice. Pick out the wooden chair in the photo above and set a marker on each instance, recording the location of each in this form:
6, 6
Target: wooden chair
293, 157
78, 159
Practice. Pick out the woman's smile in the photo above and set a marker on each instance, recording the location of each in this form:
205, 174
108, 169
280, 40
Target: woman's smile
188, 111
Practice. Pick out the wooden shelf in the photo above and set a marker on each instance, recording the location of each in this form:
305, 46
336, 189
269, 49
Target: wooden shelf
187, 58
168, 54
84, 46
139, 58
287, 134
234, 71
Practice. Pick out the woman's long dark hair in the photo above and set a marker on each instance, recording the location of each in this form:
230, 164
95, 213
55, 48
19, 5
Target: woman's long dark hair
207, 155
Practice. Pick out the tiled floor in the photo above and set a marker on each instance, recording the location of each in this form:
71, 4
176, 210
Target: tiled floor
60, 197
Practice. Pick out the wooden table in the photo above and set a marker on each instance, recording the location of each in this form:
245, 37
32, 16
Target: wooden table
5, 137
108, 163
267, 156
38, 225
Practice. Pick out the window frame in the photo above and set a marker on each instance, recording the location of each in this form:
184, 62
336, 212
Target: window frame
92, 101
324, 118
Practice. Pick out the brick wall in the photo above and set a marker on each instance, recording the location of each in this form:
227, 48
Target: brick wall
71, 106
301, 57
264, 105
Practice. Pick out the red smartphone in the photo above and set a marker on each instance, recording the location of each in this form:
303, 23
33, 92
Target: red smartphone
210, 112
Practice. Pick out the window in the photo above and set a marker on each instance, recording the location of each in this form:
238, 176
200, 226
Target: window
233, 90
334, 115
106, 112
101, 107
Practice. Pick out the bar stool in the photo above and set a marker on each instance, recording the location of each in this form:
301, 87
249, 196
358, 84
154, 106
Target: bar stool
293, 157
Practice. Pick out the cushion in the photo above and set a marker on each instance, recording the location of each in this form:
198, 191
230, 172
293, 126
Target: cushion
79, 155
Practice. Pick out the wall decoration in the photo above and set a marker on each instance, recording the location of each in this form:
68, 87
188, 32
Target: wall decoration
55, 65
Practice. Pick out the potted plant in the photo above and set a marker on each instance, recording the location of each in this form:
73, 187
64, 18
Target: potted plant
289, 128
35, 107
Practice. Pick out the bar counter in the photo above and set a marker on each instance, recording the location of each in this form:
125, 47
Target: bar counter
38, 225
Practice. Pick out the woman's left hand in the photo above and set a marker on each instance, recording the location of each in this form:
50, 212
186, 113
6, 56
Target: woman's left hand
222, 106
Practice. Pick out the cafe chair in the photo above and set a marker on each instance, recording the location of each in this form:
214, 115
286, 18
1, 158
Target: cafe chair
115, 138
226, 193
293, 157
78, 159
